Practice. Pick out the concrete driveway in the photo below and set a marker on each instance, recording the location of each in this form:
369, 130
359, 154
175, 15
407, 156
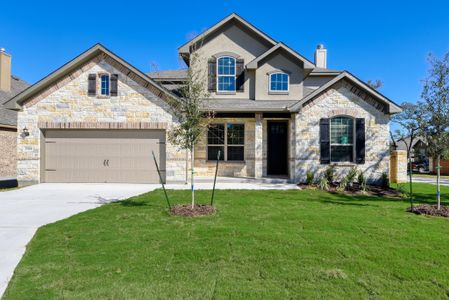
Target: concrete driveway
23, 211
431, 180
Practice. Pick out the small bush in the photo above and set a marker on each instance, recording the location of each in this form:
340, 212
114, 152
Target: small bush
310, 177
323, 184
384, 181
329, 174
361, 180
348, 180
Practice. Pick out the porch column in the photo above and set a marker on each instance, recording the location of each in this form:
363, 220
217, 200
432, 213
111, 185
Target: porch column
258, 146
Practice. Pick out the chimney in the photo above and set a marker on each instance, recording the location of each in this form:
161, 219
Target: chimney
321, 56
5, 71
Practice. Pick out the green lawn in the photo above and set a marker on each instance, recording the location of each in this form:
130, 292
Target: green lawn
260, 245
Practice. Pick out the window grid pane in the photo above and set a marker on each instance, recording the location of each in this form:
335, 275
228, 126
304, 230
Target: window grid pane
236, 134
279, 82
226, 74
342, 131
212, 152
215, 134
233, 144
105, 85
235, 153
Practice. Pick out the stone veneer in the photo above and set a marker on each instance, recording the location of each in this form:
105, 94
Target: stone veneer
67, 102
8, 151
340, 100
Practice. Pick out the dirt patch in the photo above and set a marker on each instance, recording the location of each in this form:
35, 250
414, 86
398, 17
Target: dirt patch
186, 210
431, 210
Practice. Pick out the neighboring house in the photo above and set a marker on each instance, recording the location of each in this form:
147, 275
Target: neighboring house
9, 87
98, 118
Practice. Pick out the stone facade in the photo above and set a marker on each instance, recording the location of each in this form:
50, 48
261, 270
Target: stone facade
67, 102
398, 166
8, 146
340, 100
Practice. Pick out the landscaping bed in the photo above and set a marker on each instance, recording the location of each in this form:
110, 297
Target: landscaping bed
432, 210
186, 210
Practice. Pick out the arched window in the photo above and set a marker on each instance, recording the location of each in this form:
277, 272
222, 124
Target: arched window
342, 139
104, 84
226, 74
279, 82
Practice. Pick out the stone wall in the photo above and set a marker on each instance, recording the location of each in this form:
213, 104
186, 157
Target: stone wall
339, 100
8, 151
68, 102
398, 166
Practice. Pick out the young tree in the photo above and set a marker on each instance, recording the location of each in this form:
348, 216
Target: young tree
435, 120
407, 133
375, 84
192, 114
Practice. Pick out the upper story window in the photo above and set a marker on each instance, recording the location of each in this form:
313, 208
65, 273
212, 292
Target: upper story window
342, 139
104, 79
226, 74
279, 82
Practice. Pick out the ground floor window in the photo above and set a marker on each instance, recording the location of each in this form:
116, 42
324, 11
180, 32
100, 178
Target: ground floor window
229, 139
342, 139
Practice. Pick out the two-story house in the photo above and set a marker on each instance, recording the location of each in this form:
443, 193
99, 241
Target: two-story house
277, 114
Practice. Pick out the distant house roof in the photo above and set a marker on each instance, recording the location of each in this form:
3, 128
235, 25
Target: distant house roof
402, 144
9, 117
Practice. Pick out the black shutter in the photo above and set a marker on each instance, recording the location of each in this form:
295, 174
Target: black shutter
114, 85
212, 75
92, 85
325, 153
240, 71
360, 141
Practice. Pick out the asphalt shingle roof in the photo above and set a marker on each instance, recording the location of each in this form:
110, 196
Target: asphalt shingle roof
9, 117
169, 75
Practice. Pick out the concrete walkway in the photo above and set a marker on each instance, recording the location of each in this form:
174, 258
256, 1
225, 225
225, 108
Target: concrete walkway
423, 179
23, 211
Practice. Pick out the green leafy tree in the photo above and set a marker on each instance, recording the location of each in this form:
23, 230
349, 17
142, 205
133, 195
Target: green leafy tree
407, 132
192, 113
435, 120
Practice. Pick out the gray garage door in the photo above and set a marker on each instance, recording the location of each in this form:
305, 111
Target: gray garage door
103, 155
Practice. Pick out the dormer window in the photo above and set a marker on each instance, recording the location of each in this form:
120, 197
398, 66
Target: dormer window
226, 74
279, 82
104, 79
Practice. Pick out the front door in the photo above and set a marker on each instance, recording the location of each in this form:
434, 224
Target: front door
277, 148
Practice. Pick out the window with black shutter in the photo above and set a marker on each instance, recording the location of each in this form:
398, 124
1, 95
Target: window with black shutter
324, 141
240, 81
92, 85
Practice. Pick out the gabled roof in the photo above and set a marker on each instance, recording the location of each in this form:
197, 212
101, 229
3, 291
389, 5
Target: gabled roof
280, 46
392, 106
18, 100
186, 47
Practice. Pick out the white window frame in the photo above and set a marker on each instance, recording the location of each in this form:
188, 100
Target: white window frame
100, 75
234, 76
225, 144
278, 91
339, 144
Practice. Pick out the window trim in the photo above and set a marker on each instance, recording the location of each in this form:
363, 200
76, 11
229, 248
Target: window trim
100, 94
335, 144
278, 91
226, 145
234, 76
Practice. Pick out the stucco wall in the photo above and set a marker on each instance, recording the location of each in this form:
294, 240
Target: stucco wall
8, 150
341, 101
70, 103
279, 62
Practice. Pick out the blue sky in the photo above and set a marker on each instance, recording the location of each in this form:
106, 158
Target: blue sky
386, 40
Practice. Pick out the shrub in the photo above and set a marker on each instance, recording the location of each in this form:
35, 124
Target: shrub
323, 184
361, 180
310, 176
384, 181
351, 176
329, 174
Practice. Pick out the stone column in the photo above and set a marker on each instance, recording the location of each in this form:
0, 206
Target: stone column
258, 146
398, 166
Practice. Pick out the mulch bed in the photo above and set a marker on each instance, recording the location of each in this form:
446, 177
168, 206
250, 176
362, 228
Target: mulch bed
431, 210
371, 190
186, 210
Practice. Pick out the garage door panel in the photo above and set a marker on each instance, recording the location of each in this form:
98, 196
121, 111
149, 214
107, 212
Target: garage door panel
103, 156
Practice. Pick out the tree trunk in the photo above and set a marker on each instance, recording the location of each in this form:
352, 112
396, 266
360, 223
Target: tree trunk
187, 166
438, 182
192, 180
411, 181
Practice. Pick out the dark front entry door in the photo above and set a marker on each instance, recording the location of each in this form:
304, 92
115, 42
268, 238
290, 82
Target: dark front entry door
277, 148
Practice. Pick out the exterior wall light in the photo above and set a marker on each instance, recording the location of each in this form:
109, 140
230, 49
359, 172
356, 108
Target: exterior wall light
25, 132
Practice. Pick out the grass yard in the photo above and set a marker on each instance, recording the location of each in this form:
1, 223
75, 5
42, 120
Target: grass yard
260, 245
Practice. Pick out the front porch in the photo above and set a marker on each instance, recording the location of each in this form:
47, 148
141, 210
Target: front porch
253, 145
